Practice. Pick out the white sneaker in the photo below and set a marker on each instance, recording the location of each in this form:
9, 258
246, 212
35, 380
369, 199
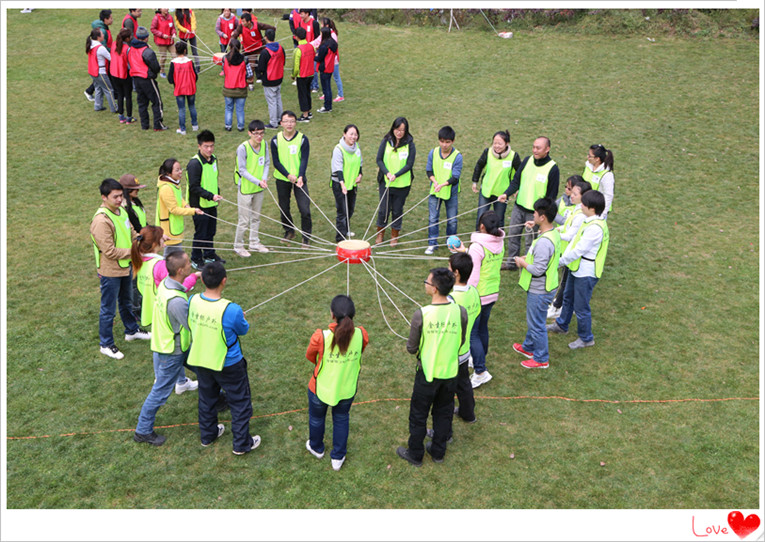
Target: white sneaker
179, 131
470, 362
337, 463
195, 127
552, 312
294, 83
259, 248
189, 385
221, 429
351, 234
478, 379
430, 250
241, 252
255, 444
313, 453
143, 335
112, 351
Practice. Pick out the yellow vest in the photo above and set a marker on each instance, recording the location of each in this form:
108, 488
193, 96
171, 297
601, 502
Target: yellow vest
339, 373
442, 171
394, 161
208, 346
122, 238
289, 154
551, 273
145, 281
256, 163
440, 340
162, 336
533, 183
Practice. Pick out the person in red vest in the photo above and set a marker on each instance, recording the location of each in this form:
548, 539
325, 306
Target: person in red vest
325, 65
236, 72
302, 73
271, 72
121, 80
130, 20
163, 28
98, 68
250, 34
186, 24
225, 27
143, 68
183, 77
104, 20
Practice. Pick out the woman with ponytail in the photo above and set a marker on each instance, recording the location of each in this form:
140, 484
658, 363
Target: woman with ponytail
98, 68
336, 352
599, 172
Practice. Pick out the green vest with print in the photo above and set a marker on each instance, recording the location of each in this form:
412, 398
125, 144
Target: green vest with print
533, 183
176, 221
577, 210
122, 238
499, 172
289, 155
472, 303
208, 182
256, 163
145, 281
162, 336
339, 373
442, 171
440, 340
488, 282
351, 166
551, 273
600, 258
394, 160
208, 340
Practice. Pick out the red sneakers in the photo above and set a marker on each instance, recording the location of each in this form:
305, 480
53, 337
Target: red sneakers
518, 347
531, 364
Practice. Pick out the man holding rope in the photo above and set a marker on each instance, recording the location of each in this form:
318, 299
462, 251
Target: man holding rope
203, 192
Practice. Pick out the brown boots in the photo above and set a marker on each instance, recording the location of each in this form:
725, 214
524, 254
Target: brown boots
380, 236
394, 237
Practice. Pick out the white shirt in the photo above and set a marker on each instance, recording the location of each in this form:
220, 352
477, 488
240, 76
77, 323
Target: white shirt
587, 247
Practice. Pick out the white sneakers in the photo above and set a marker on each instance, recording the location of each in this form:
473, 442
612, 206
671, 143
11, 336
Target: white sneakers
552, 312
241, 252
221, 429
478, 379
189, 385
142, 335
255, 444
430, 250
112, 351
337, 463
259, 248
313, 453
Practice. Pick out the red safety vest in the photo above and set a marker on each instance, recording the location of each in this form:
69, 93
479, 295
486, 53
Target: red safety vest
227, 27
307, 55
135, 22
251, 39
329, 61
296, 22
118, 66
108, 39
308, 25
185, 24
275, 66
183, 78
93, 61
138, 67
235, 76
165, 25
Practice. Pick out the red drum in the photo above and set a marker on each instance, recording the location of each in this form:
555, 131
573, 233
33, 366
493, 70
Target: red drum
353, 250
218, 58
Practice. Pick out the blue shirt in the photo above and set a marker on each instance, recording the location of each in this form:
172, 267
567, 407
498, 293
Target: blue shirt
234, 325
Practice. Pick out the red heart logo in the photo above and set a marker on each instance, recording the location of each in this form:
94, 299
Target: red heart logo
743, 527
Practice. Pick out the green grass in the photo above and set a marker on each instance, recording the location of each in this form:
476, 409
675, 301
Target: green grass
675, 314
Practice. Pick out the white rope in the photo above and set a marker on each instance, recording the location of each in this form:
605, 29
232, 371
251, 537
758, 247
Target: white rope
311, 236
394, 286
375, 213
379, 301
442, 221
348, 278
411, 257
319, 208
205, 45
296, 285
403, 214
488, 21
279, 263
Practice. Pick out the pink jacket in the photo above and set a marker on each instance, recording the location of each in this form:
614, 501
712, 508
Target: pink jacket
160, 272
479, 242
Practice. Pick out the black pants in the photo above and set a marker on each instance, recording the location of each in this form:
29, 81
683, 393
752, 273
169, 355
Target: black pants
345, 204
284, 191
235, 382
91, 89
558, 301
147, 91
123, 94
304, 93
465, 394
439, 395
393, 204
326, 88
204, 232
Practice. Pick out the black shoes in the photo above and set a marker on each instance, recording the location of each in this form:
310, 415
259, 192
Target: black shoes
151, 438
403, 453
428, 445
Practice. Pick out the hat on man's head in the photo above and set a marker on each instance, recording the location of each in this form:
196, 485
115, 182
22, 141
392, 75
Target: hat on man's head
141, 33
130, 182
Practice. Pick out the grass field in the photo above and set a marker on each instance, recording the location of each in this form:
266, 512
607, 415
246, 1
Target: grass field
675, 314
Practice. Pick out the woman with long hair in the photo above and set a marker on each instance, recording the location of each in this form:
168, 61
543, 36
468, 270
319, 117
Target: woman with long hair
120, 77
395, 158
325, 65
186, 25
98, 68
236, 73
599, 172
171, 207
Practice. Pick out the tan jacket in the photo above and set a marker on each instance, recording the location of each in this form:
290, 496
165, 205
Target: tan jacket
102, 230
167, 206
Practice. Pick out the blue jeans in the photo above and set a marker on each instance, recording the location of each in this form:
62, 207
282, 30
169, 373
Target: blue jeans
181, 102
116, 290
168, 369
576, 299
479, 338
315, 80
338, 81
230, 103
498, 207
536, 321
317, 411
434, 208
326, 88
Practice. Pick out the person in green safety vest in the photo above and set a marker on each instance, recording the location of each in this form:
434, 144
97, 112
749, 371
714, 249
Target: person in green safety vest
585, 256
111, 235
537, 177
494, 170
437, 332
203, 192
443, 168
336, 354
137, 216
395, 160
251, 177
539, 277
170, 345
346, 172
599, 171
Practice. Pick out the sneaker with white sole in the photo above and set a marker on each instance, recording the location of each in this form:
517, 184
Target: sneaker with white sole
255, 444
579, 343
339, 99
555, 328
221, 429
179, 131
189, 385
314, 453
195, 127
321, 98
480, 378
112, 351
337, 463
259, 248
241, 252
532, 364
142, 335
430, 250
90, 97
323, 110
518, 347
553, 312
351, 234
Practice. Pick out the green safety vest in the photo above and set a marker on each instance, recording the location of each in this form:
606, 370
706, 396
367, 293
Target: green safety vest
440, 341
592, 177
162, 335
488, 282
256, 163
122, 238
533, 183
562, 207
442, 171
567, 225
600, 257
289, 155
145, 281
394, 161
338, 374
208, 346
176, 221
140, 212
551, 273
472, 303
499, 172
208, 182
351, 166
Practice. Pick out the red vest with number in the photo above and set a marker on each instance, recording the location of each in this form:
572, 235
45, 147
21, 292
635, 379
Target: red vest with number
165, 26
275, 66
235, 76
227, 27
183, 77
251, 39
138, 67
309, 35
118, 66
307, 54
135, 22
93, 61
